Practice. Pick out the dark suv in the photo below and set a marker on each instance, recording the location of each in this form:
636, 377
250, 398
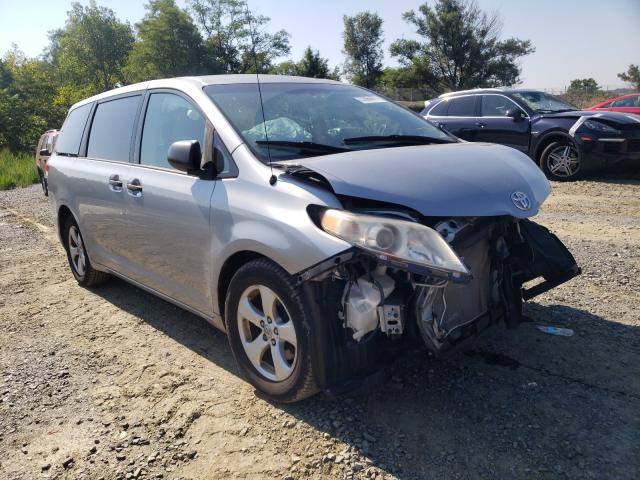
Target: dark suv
562, 140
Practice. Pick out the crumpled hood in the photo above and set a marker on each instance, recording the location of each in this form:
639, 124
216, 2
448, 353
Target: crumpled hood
460, 179
625, 119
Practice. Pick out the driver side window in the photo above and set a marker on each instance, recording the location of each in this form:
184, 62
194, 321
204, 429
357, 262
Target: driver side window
169, 118
496, 106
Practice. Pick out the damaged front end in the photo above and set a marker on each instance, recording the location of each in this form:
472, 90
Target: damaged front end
438, 279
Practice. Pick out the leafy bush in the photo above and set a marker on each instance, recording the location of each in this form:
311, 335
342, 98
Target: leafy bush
17, 170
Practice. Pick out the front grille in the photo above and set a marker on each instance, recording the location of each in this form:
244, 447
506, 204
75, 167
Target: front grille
612, 147
633, 146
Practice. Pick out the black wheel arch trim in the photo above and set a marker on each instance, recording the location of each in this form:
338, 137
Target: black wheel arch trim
542, 141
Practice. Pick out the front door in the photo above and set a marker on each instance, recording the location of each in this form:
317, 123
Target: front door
168, 214
497, 127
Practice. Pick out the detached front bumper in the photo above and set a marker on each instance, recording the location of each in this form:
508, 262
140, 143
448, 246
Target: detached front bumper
606, 151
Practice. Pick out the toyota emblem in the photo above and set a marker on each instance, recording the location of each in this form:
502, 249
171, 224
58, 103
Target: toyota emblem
521, 201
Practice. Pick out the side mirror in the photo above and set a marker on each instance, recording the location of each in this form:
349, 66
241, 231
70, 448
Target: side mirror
515, 113
185, 155
44, 153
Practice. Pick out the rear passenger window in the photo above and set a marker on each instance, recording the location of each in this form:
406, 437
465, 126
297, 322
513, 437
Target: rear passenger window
112, 129
72, 130
462, 107
439, 110
169, 118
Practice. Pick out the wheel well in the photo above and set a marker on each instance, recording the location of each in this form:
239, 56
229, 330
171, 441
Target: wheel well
547, 140
63, 214
230, 267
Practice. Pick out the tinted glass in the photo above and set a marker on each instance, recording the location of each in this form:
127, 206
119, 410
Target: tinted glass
626, 102
169, 118
439, 110
496, 106
323, 114
72, 130
112, 129
462, 107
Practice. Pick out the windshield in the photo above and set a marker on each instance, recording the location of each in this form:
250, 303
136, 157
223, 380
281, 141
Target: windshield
544, 103
306, 119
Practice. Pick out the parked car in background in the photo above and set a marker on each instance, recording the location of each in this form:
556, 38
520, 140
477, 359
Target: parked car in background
44, 150
317, 223
564, 141
626, 104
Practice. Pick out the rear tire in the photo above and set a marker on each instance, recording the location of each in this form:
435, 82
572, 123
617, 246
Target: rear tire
269, 331
81, 267
43, 183
560, 161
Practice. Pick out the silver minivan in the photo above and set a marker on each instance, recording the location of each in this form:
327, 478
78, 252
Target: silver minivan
319, 224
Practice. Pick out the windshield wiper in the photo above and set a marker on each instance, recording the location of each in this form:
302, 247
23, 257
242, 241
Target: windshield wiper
402, 139
304, 146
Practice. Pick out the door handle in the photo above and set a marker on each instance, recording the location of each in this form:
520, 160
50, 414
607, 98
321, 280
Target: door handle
115, 184
481, 124
134, 187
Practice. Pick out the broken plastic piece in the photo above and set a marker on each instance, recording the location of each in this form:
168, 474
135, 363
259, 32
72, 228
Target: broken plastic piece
562, 332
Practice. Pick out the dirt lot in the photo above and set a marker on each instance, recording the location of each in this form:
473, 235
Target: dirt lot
114, 383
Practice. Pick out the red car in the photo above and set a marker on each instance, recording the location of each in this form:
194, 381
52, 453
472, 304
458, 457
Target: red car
626, 103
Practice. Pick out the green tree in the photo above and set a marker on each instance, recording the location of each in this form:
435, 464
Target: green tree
27, 90
632, 76
237, 40
310, 65
459, 47
91, 50
583, 85
363, 48
169, 44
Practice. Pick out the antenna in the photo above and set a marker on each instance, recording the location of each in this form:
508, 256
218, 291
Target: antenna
273, 178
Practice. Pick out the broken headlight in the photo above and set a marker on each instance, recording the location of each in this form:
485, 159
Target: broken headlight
395, 241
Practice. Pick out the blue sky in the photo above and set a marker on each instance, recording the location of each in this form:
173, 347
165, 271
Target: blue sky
573, 38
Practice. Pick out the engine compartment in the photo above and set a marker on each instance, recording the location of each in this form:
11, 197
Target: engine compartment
378, 299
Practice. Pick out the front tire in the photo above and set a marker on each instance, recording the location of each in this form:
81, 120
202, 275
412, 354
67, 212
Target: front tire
269, 331
81, 267
560, 161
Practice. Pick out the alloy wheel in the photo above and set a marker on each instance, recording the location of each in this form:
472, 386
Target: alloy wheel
563, 161
76, 251
267, 333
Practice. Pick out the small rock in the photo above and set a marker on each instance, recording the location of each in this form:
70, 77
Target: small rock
67, 462
120, 457
295, 459
287, 477
45, 467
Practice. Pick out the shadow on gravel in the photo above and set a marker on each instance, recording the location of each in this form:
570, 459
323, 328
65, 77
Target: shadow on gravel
513, 404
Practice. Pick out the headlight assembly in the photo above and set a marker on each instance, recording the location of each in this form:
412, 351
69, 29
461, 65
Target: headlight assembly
599, 126
395, 240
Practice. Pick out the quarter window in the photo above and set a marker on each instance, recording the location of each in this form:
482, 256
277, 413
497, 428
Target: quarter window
462, 107
496, 105
72, 130
169, 118
112, 129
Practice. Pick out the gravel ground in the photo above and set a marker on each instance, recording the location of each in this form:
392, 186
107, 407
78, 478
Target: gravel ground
114, 383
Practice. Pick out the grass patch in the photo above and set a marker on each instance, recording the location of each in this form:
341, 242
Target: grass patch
17, 170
